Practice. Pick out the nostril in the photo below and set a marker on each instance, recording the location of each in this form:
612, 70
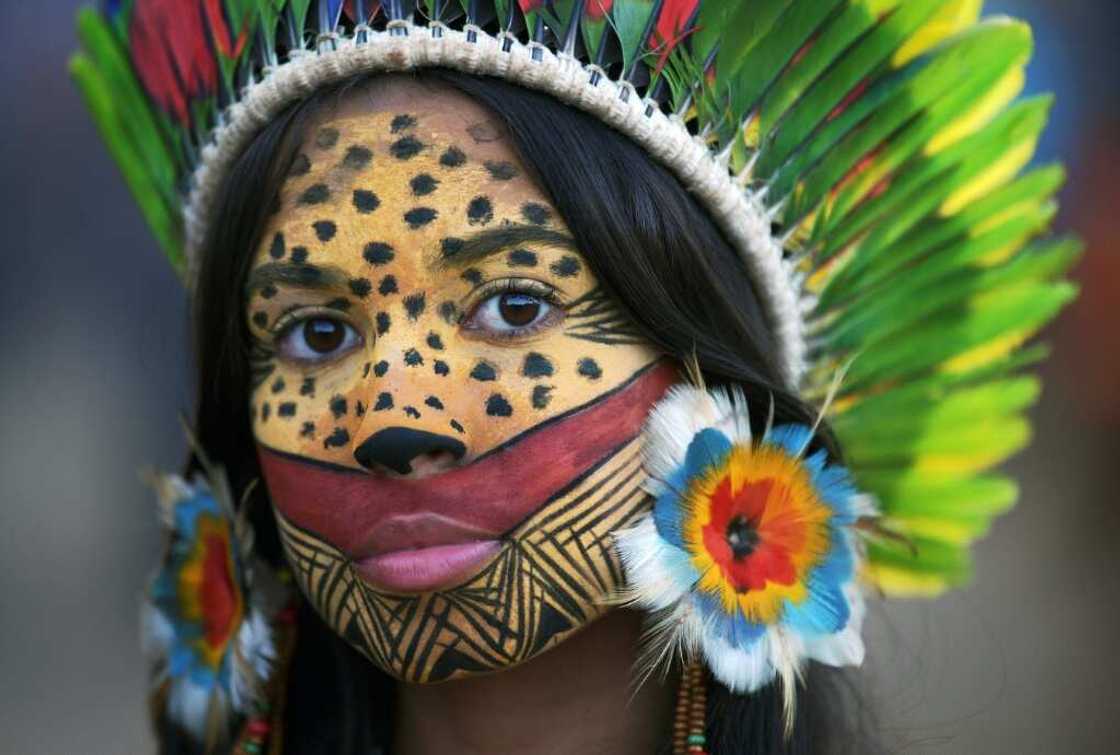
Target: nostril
397, 448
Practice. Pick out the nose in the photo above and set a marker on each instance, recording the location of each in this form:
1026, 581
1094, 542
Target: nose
396, 448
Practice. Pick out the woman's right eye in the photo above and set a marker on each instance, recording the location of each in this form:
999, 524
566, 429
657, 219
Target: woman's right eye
317, 339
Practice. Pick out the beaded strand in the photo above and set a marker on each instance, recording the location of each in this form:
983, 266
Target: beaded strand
690, 717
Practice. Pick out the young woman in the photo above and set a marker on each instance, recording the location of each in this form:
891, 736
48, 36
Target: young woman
490, 375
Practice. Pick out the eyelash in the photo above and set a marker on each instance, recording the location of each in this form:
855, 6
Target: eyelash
295, 317
487, 292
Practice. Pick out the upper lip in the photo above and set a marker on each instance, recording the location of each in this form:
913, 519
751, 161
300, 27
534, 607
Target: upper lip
423, 529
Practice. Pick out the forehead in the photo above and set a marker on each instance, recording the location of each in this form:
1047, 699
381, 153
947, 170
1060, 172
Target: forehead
407, 172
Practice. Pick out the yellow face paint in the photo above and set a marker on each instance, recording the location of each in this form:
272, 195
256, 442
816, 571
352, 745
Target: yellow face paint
445, 400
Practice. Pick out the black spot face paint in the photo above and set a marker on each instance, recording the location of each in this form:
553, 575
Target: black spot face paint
359, 409
401, 122
449, 312
434, 402
542, 394
338, 437
414, 305
357, 157
326, 138
307, 388
315, 194
278, 385
589, 368
383, 323
268, 291
484, 372
342, 305
522, 258
360, 287
456, 426
384, 402
412, 411
497, 406
388, 285
423, 185
365, 369
365, 201
501, 171
381, 368
299, 255
440, 368
536, 366
276, 251
301, 166
338, 406
286, 409
565, 267
453, 157
472, 276
450, 246
324, 230
260, 319
418, 217
307, 430
480, 211
266, 411
434, 341
413, 358
376, 253
406, 148
535, 214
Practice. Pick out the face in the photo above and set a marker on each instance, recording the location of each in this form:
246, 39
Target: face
446, 402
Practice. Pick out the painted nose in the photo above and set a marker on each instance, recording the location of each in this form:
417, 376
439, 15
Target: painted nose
396, 448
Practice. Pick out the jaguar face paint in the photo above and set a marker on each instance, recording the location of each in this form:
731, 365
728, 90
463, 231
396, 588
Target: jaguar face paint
446, 403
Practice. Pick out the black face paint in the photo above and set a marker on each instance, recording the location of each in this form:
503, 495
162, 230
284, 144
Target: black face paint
315, 194
536, 366
522, 258
453, 157
484, 372
418, 217
357, 157
423, 185
480, 211
414, 305
406, 148
324, 230
327, 138
360, 287
365, 201
497, 406
376, 253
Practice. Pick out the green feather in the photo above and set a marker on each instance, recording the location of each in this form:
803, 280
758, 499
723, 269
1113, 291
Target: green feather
98, 95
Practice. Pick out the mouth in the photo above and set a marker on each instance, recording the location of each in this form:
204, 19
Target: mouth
417, 535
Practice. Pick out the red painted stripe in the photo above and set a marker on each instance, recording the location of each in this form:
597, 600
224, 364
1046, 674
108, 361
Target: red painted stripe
492, 495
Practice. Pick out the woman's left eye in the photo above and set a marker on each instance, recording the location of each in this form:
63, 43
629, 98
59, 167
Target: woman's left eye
512, 314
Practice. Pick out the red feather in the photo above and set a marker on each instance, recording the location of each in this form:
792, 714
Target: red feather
596, 10
171, 52
672, 27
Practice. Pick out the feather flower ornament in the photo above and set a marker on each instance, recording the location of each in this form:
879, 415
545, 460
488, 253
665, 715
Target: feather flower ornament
748, 558
204, 621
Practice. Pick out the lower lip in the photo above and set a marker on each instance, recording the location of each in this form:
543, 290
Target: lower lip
426, 569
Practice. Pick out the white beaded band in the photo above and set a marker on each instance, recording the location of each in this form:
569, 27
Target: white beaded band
406, 46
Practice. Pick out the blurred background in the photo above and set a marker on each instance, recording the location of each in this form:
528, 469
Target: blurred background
94, 371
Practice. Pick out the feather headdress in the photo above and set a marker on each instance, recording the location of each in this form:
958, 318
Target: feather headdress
867, 158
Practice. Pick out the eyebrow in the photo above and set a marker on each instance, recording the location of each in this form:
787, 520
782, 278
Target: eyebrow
300, 276
488, 242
